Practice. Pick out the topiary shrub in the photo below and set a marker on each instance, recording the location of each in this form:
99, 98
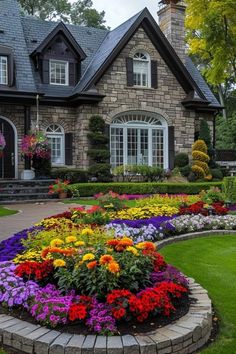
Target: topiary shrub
185, 171
200, 160
181, 160
99, 152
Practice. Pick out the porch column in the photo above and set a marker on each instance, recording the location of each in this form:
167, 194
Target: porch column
27, 125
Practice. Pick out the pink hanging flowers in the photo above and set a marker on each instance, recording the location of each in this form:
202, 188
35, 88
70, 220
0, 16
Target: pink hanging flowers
2, 143
36, 144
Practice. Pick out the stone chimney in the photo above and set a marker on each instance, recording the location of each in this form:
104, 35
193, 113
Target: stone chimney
171, 21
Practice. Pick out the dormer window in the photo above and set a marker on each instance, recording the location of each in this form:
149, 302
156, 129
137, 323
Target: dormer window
3, 70
59, 72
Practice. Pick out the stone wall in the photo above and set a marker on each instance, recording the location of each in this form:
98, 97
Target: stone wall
165, 100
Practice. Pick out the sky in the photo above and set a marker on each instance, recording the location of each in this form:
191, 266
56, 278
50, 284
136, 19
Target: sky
118, 11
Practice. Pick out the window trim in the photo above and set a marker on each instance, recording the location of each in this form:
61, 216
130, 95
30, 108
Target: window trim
66, 72
7, 70
55, 134
148, 61
150, 126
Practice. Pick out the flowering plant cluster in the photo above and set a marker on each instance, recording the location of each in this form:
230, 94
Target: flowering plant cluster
2, 143
173, 200
200, 207
144, 212
94, 215
59, 187
36, 144
111, 201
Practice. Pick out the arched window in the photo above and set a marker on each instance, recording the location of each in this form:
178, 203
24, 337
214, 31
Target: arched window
139, 138
141, 69
56, 139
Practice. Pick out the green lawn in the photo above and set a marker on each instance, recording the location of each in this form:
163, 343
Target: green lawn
211, 261
5, 212
128, 203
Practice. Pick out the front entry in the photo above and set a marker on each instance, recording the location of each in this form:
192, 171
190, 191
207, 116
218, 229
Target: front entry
7, 160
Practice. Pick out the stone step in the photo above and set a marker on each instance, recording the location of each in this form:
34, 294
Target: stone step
25, 196
24, 183
23, 189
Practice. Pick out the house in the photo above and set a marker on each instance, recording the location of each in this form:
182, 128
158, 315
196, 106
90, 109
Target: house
137, 77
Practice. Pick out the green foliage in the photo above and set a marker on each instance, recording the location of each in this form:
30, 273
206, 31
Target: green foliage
111, 201
212, 195
217, 173
99, 151
181, 159
97, 217
147, 173
80, 12
41, 166
185, 171
73, 175
89, 189
211, 27
226, 132
205, 133
200, 160
229, 189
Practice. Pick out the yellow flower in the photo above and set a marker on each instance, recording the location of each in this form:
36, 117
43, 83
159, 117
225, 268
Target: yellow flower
87, 232
79, 243
88, 257
56, 242
70, 239
132, 250
59, 263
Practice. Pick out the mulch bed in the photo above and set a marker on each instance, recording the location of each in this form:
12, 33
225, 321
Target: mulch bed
131, 327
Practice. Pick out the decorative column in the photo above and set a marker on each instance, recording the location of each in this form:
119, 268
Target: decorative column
27, 126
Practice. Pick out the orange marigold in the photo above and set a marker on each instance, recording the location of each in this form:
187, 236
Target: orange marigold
113, 267
126, 242
150, 246
113, 242
92, 264
105, 259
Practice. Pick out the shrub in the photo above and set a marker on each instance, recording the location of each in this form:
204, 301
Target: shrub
89, 189
200, 160
185, 171
229, 189
212, 195
181, 159
217, 173
147, 173
73, 175
101, 171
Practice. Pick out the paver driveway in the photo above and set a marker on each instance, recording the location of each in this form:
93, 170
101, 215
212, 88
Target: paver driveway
29, 214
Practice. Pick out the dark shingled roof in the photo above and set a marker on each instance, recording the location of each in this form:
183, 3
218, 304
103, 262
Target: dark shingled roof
197, 77
13, 36
25, 34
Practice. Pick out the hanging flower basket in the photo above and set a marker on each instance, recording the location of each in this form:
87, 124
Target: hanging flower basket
36, 144
2, 144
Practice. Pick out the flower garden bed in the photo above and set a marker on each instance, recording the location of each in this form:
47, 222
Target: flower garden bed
97, 271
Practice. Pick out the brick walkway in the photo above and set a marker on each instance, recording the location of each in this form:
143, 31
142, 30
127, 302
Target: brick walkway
29, 215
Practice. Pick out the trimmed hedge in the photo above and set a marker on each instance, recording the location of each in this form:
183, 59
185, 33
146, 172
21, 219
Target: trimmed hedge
89, 189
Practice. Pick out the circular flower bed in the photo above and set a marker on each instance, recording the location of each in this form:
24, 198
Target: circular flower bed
64, 273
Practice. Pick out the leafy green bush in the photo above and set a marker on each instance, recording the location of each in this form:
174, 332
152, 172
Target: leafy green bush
217, 173
73, 175
89, 189
229, 189
147, 173
101, 171
185, 171
181, 159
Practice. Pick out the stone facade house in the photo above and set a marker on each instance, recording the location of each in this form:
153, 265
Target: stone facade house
136, 77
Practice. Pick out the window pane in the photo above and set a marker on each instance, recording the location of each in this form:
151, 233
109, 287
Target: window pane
3, 70
117, 147
59, 72
56, 149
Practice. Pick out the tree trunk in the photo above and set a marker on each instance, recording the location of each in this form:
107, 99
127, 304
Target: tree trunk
222, 100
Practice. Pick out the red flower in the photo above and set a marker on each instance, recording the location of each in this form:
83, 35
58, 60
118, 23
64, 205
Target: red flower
77, 312
36, 270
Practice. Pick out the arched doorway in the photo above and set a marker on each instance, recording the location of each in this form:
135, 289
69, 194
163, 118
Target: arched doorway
139, 138
8, 159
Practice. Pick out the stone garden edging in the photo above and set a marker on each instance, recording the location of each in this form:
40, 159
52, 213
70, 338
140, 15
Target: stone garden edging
184, 336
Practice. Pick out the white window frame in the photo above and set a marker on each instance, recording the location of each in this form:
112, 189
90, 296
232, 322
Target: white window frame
2, 59
140, 120
66, 72
146, 59
57, 134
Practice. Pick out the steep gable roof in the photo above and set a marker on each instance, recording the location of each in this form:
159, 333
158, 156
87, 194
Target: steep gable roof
60, 28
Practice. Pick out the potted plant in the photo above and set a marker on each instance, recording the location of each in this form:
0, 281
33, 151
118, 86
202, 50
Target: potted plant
35, 146
59, 187
2, 144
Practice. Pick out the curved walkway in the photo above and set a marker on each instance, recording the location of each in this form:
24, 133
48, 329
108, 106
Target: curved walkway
28, 215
